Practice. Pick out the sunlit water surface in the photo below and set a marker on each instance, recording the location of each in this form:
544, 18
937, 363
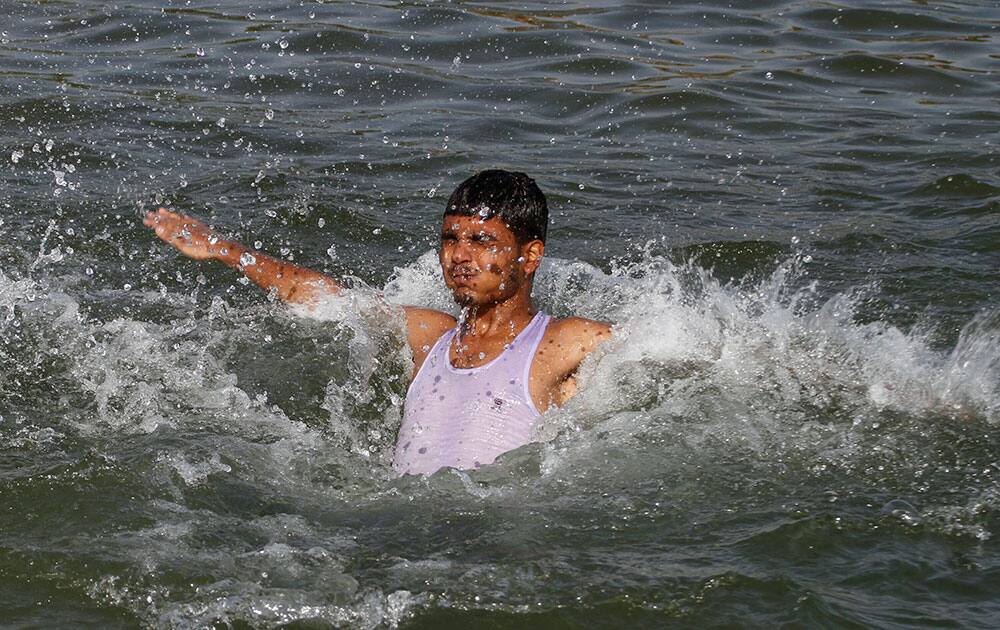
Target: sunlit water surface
789, 210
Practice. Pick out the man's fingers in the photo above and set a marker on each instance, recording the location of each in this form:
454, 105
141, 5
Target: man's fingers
153, 218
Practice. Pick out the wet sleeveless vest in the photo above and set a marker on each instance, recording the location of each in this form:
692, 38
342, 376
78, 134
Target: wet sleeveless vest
465, 418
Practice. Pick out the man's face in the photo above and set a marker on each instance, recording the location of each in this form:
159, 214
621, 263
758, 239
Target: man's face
481, 260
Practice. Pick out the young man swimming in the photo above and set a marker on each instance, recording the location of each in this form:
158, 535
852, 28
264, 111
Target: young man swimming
480, 384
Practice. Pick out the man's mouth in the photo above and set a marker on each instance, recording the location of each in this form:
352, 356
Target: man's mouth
463, 275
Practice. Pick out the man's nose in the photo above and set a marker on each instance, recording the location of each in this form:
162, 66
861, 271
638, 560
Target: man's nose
461, 251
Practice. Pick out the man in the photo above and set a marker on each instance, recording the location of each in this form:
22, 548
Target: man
479, 384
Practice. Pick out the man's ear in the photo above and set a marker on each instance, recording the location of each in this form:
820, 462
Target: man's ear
532, 253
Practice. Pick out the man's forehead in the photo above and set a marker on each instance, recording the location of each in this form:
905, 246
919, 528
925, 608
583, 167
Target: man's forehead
473, 223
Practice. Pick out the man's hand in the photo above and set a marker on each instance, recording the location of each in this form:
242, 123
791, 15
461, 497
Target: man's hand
190, 236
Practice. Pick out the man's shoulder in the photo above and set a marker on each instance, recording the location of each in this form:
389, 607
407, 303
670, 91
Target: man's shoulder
424, 326
577, 335
580, 327
428, 322
430, 316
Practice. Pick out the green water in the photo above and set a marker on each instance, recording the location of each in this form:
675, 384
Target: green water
789, 209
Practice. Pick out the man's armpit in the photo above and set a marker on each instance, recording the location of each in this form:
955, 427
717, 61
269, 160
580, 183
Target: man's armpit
567, 389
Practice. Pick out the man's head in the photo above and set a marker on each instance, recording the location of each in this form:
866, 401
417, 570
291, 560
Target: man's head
512, 197
492, 237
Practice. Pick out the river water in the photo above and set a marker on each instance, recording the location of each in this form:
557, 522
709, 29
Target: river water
790, 210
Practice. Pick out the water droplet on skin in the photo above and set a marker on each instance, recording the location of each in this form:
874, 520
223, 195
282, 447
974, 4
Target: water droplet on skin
247, 259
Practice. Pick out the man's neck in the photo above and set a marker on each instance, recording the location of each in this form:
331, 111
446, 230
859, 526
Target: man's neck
503, 319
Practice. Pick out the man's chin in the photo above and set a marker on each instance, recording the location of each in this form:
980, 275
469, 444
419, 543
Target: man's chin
466, 296
463, 299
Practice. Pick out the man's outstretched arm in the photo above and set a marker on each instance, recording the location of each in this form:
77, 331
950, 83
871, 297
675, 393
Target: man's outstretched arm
289, 282
194, 239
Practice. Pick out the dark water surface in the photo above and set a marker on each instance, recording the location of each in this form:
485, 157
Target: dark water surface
790, 209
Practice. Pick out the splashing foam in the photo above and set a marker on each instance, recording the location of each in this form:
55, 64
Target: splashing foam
763, 347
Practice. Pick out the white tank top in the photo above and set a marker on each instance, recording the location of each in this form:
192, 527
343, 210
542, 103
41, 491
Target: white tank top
465, 418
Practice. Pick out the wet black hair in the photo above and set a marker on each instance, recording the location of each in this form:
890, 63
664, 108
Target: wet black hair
513, 197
